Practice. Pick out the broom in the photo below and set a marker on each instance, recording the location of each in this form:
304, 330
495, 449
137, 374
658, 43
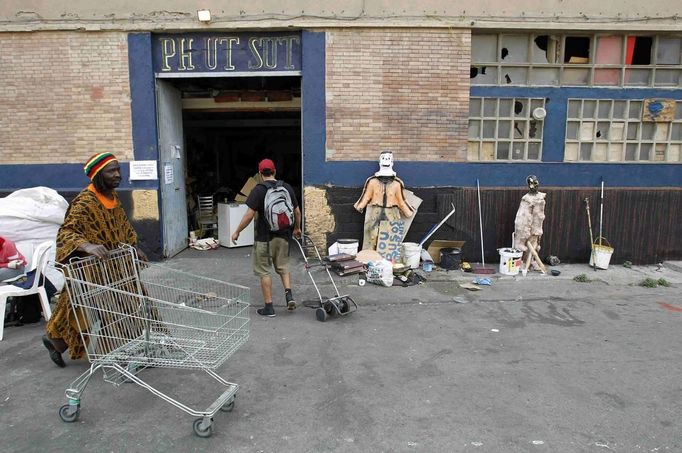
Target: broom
589, 224
481, 269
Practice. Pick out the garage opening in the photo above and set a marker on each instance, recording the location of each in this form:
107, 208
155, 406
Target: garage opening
230, 124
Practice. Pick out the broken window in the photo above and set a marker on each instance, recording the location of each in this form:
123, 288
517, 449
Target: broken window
514, 48
577, 50
546, 49
606, 130
504, 130
639, 50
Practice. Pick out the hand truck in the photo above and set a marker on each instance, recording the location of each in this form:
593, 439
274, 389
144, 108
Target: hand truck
338, 304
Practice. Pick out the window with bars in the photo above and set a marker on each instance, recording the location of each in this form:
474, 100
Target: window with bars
576, 60
607, 130
505, 128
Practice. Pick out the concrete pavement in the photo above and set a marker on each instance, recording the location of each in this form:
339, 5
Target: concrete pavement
539, 363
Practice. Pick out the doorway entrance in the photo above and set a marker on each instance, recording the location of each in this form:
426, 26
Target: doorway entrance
227, 126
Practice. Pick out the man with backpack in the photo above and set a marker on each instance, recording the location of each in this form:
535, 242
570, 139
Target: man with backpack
278, 217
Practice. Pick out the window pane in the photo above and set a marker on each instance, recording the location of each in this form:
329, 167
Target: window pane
661, 132
619, 109
668, 77
475, 107
641, 50
490, 108
602, 131
586, 151
574, 109
668, 51
488, 129
659, 154
503, 150
676, 132
604, 109
535, 129
518, 151
472, 151
616, 132
589, 109
514, 48
534, 150
647, 131
506, 107
520, 129
678, 110
474, 129
572, 130
607, 77
637, 76
631, 151
483, 48
483, 75
488, 151
632, 131
674, 153
571, 153
601, 150
514, 76
576, 76
587, 131
609, 50
616, 152
521, 108
645, 151
504, 129
545, 49
544, 76
636, 109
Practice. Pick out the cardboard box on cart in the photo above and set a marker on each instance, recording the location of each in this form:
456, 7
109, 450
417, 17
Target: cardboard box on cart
437, 244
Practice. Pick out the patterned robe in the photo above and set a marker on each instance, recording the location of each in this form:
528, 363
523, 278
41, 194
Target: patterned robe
86, 220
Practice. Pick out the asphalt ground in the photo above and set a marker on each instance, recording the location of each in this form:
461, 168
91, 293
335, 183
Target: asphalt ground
529, 364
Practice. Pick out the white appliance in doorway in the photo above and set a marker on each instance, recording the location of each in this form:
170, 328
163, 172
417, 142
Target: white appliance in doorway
229, 216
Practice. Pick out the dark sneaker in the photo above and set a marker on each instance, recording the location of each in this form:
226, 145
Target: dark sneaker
267, 310
54, 354
291, 303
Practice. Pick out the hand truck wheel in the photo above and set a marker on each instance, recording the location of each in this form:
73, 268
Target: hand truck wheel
202, 431
321, 314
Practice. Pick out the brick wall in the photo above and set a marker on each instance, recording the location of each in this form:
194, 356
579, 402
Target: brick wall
64, 96
401, 89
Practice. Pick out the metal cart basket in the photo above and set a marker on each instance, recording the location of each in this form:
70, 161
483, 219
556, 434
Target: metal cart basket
134, 315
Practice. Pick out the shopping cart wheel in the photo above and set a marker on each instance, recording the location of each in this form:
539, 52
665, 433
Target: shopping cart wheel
202, 432
227, 407
321, 314
66, 415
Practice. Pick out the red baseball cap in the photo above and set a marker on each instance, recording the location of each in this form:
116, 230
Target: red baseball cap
266, 164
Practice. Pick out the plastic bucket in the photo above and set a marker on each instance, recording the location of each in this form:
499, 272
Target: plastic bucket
450, 258
602, 255
510, 261
349, 246
411, 254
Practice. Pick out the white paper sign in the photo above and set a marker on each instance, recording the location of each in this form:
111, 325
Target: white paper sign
168, 173
143, 169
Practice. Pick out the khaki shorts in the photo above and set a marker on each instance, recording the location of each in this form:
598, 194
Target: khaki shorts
279, 257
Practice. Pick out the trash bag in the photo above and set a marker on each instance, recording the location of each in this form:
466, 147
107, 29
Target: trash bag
380, 272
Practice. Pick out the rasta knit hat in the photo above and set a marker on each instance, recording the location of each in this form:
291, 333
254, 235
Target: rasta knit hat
96, 163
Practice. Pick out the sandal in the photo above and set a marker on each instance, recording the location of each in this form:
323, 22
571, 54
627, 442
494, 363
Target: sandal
55, 355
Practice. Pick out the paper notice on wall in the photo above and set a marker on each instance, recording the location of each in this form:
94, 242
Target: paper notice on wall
168, 174
143, 170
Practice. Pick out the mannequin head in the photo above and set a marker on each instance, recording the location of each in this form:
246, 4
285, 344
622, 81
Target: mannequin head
533, 183
385, 164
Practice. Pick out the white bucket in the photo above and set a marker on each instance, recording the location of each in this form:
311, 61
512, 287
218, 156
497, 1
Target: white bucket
411, 254
510, 261
602, 255
349, 246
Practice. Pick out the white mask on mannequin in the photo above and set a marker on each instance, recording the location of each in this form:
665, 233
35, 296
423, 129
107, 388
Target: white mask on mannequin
385, 164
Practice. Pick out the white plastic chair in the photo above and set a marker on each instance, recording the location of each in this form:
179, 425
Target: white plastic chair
40, 262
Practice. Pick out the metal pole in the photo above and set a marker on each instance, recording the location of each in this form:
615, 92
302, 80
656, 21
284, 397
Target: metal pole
480, 221
601, 209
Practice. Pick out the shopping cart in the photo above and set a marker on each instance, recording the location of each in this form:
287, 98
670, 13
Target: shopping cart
341, 305
134, 315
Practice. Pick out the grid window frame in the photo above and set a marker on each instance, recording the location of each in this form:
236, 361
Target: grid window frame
593, 130
524, 66
503, 129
